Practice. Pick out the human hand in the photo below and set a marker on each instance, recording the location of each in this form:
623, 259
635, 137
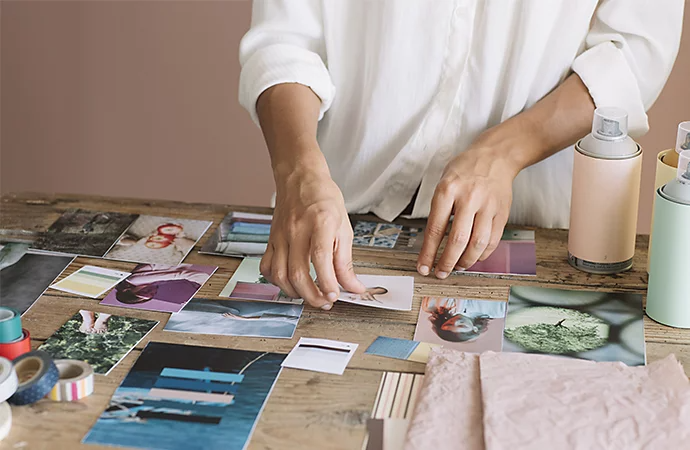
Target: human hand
476, 187
310, 223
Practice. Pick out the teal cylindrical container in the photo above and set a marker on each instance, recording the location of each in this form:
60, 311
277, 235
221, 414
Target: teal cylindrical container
668, 291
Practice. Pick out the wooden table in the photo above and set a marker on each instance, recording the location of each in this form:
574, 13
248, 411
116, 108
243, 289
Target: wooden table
307, 410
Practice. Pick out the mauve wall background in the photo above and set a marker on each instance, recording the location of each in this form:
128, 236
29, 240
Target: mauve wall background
139, 99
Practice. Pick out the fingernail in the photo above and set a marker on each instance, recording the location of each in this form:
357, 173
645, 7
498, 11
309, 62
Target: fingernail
424, 270
460, 269
327, 306
442, 275
332, 296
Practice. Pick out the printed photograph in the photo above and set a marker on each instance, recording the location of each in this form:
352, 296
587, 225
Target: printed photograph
596, 326
157, 287
240, 234
236, 318
25, 275
100, 339
88, 233
90, 281
461, 324
515, 255
158, 240
374, 234
400, 349
387, 236
383, 292
247, 283
177, 394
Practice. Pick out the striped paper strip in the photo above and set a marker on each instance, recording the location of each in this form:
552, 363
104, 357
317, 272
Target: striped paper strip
397, 396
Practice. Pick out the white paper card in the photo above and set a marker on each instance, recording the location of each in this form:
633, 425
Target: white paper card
320, 355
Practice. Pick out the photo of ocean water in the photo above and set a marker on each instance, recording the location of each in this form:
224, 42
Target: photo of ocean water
136, 418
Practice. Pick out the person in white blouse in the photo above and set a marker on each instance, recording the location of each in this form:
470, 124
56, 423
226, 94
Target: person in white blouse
444, 108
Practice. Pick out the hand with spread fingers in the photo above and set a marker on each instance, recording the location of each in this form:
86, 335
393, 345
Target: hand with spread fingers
476, 188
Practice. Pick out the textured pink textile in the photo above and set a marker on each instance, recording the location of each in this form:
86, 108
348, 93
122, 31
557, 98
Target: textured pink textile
543, 402
448, 415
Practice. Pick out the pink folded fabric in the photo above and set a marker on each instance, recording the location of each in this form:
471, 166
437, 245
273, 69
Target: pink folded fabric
513, 401
448, 415
543, 402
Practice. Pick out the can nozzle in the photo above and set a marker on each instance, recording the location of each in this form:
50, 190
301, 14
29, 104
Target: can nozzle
683, 161
610, 123
684, 175
678, 190
683, 138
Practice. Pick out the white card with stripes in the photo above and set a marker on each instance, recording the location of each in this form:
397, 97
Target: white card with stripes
320, 355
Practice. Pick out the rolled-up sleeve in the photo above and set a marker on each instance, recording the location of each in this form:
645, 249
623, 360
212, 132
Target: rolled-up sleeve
285, 44
630, 51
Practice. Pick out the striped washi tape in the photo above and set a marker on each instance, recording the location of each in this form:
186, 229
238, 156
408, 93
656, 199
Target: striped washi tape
37, 375
8, 379
10, 324
75, 383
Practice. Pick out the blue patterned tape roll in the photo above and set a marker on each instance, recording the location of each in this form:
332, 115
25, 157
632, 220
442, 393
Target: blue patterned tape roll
37, 375
10, 324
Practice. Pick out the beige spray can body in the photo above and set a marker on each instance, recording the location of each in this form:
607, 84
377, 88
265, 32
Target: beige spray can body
606, 186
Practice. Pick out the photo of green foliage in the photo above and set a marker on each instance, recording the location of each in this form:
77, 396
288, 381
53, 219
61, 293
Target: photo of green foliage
101, 340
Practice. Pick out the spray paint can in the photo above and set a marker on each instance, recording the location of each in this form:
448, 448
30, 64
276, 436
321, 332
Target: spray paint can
606, 187
667, 163
668, 296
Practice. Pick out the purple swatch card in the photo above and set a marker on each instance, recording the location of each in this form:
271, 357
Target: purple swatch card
157, 287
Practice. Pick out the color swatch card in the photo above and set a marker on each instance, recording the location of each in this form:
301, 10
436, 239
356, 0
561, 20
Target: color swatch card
320, 355
90, 281
247, 283
461, 324
158, 240
400, 349
100, 339
236, 318
25, 274
240, 234
387, 236
383, 292
81, 232
515, 255
598, 326
186, 397
156, 287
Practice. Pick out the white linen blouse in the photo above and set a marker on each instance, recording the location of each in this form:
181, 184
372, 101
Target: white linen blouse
405, 85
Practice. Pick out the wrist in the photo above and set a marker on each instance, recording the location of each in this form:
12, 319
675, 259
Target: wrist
515, 144
301, 161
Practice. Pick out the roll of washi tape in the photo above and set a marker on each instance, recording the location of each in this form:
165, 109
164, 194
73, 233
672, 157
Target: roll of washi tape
10, 324
75, 383
5, 420
12, 350
8, 379
37, 375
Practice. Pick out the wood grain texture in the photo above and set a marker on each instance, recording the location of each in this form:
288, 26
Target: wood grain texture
306, 410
